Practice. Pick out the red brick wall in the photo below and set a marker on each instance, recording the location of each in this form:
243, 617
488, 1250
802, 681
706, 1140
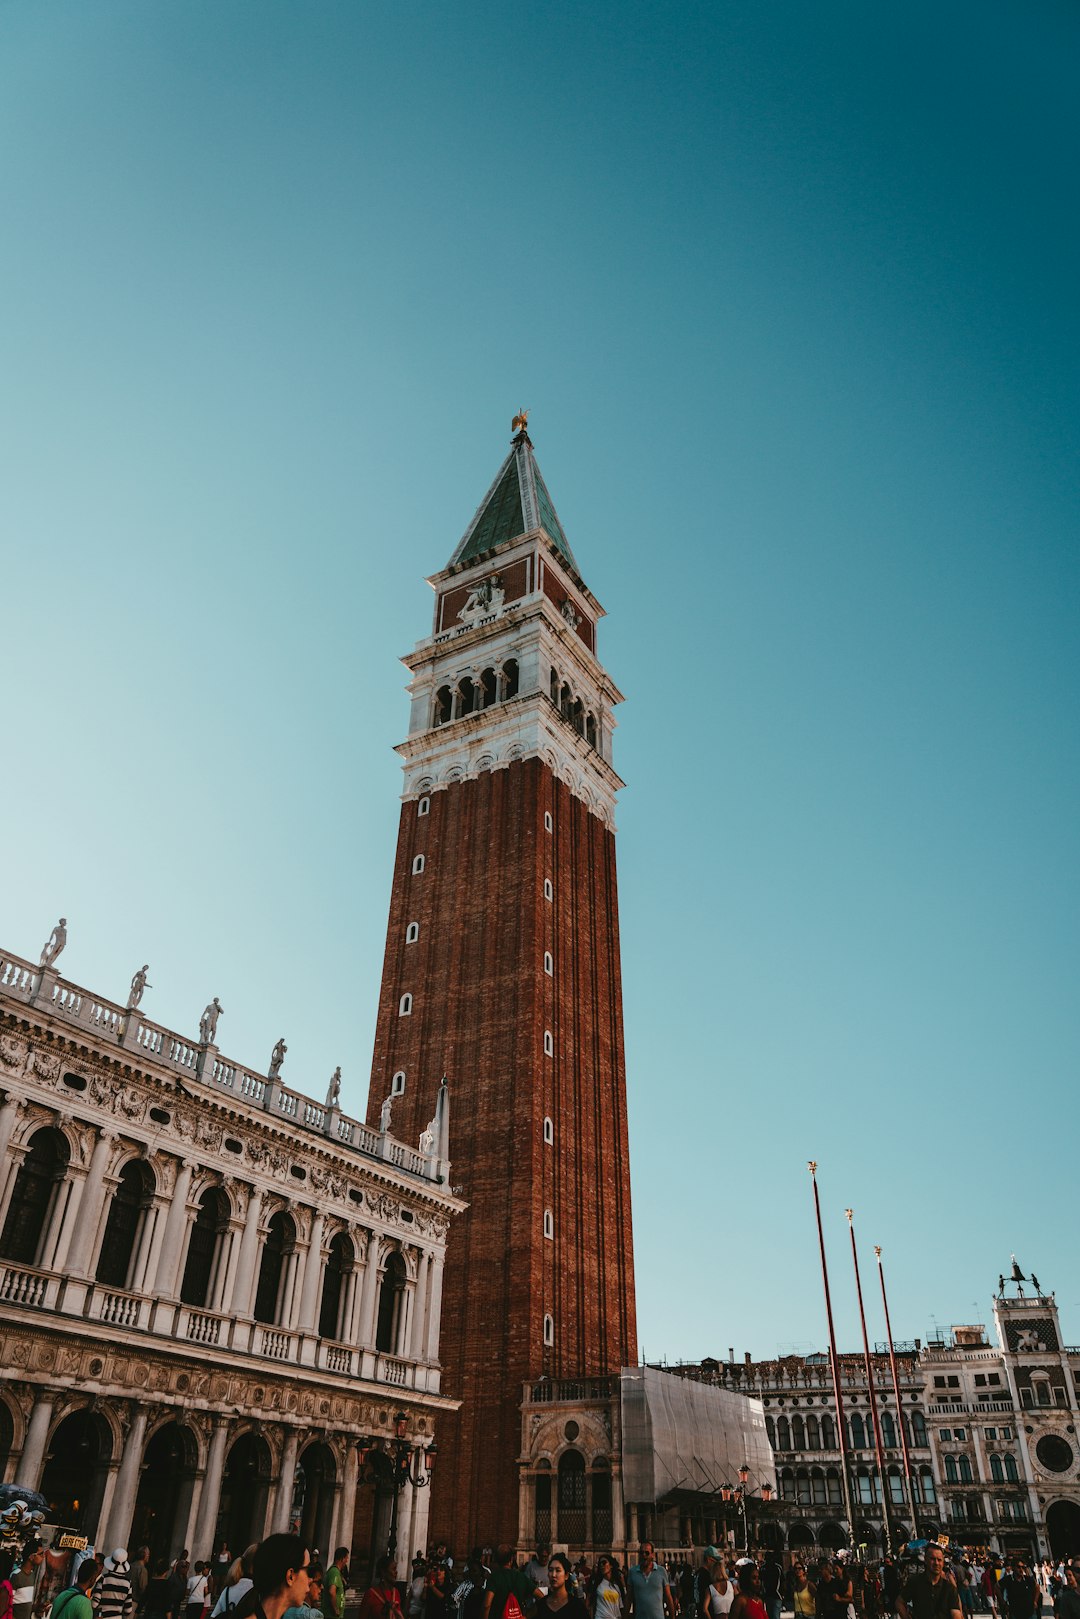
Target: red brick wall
481, 1004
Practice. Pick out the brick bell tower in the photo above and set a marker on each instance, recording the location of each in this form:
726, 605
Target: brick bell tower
502, 973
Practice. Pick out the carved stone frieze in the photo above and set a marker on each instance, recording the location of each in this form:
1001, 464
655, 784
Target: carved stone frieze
13, 1051
45, 1065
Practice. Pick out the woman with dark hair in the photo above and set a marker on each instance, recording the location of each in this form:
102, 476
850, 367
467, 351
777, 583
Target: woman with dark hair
607, 1595
559, 1599
382, 1599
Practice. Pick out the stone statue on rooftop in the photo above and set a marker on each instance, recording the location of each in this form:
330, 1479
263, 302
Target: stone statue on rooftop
520, 422
427, 1141
277, 1057
139, 984
484, 599
384, 1115
56, 941
209, 1021
333, 1095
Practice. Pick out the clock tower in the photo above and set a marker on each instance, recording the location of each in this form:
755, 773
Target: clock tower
502, 973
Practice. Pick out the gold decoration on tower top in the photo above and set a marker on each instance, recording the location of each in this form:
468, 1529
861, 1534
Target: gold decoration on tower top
520, 422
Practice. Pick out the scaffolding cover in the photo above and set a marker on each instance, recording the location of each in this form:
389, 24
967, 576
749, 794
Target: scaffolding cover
685, 1438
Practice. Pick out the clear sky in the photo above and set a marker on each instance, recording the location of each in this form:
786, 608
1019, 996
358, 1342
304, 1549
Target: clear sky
792, 294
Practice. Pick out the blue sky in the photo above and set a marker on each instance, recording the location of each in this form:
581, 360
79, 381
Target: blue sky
791, 294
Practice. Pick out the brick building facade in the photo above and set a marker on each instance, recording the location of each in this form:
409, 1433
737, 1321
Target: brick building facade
502, 972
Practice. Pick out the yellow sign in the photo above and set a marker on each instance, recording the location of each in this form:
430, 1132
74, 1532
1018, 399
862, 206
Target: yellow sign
75, 1543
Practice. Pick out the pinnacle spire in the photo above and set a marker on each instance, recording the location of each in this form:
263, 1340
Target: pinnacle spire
517, 502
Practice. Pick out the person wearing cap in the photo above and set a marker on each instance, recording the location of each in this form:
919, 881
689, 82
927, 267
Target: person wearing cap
112, 1594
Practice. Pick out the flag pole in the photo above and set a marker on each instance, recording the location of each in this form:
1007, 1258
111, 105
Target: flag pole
899, 1408
841, 1425
878, 1450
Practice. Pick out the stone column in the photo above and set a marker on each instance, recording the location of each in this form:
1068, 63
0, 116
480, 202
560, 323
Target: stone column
127, 1483
283, 1503
343, 1529
244, 1286
404, 1322
9, 1168
168, 1274
12, 1165
369, 1295
434, 1316
312, 1275
88, 1209
151, 1227
210, 1493
37, 1437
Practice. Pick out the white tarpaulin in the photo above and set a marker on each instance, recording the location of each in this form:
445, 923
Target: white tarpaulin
681, 1436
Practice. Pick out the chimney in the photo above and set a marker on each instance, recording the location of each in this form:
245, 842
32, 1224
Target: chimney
746, 1358
731, 1356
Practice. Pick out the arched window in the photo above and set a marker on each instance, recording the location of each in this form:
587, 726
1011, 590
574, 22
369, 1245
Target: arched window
888, 1430
798, 1434
444, 705
1010, 1470
549, 1133
997, 1471
896, 1487
423, 806
828, 1434
549, 892
571, 1510
510, 678
770, 1429
204, 1246
397, 1084
783, 1434
858, 1436
813, 1436
466, 696
549, 824
965, 1470
918, 1429
565, 701
833, 1487
124, 1226
339, 1262
554, 688
32, 1200
549, 1044
412, 933
577, 716
549, 965
951, 1476
549, 1331
391, 1294
487, 688
590, 730
549, 1225
864, 1486
278, 1247
926, 1484
802, 1486
417, 865
405, 1006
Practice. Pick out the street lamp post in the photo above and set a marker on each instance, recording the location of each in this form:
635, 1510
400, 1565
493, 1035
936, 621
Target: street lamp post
409, 1464
741, 1495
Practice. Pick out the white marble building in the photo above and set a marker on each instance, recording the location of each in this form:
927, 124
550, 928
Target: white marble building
216, 1295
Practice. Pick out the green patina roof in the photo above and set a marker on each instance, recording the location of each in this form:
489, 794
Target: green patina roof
517, 501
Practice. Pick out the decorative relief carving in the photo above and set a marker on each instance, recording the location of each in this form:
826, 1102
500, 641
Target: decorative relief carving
45, 1064
383, 1206
13, 1051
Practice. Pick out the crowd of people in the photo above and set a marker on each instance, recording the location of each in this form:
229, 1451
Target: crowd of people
282, 1578
40, 1584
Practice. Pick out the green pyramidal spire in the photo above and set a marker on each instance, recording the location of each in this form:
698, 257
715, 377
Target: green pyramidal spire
517, 502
